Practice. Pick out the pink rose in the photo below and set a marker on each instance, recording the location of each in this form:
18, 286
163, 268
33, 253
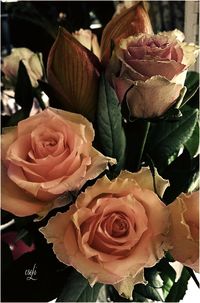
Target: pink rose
45, 156
155, 66
114, 230
88, 39
31, 61
184, 231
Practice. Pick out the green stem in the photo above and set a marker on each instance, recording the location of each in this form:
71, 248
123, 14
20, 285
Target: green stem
145, 135
136, 137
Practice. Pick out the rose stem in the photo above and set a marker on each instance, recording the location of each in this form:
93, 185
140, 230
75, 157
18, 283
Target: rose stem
136, 136
145, 134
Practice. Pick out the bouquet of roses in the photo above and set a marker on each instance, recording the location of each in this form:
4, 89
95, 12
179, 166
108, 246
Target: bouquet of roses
107, 174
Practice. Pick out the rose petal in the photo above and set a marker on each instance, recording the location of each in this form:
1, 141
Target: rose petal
149, 68
145, 179
185, 247
190, 53
125, 287
176, 33
7, 138
161, 91
15, 200
60, 232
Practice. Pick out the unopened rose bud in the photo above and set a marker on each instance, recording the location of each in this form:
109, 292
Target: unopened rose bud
88, 39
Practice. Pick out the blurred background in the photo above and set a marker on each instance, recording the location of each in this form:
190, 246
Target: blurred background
34, 24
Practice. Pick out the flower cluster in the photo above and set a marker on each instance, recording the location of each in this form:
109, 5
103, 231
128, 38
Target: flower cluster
122, 224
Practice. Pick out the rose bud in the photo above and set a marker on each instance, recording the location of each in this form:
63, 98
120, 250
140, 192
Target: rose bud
153, 68
31, 61
88, 39
184, 230
114, 230
46, 157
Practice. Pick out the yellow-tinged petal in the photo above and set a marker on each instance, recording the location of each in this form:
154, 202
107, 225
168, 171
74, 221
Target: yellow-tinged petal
191, 52
126, 286
130, 21
145, 179
184, 229
72, 71
157, 88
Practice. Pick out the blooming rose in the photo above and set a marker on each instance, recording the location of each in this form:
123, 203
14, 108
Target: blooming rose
184, 231
88, 39
114, 230
31, 61
45, 156
155, 66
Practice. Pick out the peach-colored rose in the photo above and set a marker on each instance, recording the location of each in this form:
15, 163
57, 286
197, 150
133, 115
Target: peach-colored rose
31, 61
155, 67
114, 230
184, 231
88, 39
45, 156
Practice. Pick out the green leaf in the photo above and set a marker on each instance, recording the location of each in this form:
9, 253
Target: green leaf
153, 277
77, 289
167, 274
16, 118
110, 132
149, 292
167, 138
23, 96
192, 84
183, 175
23, 90
192, 144
179, 288
139, 298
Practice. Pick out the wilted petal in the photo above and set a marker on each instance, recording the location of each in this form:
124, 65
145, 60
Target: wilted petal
130, 21
72, 71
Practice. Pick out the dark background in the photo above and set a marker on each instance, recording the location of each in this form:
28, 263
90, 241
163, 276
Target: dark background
34, 24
